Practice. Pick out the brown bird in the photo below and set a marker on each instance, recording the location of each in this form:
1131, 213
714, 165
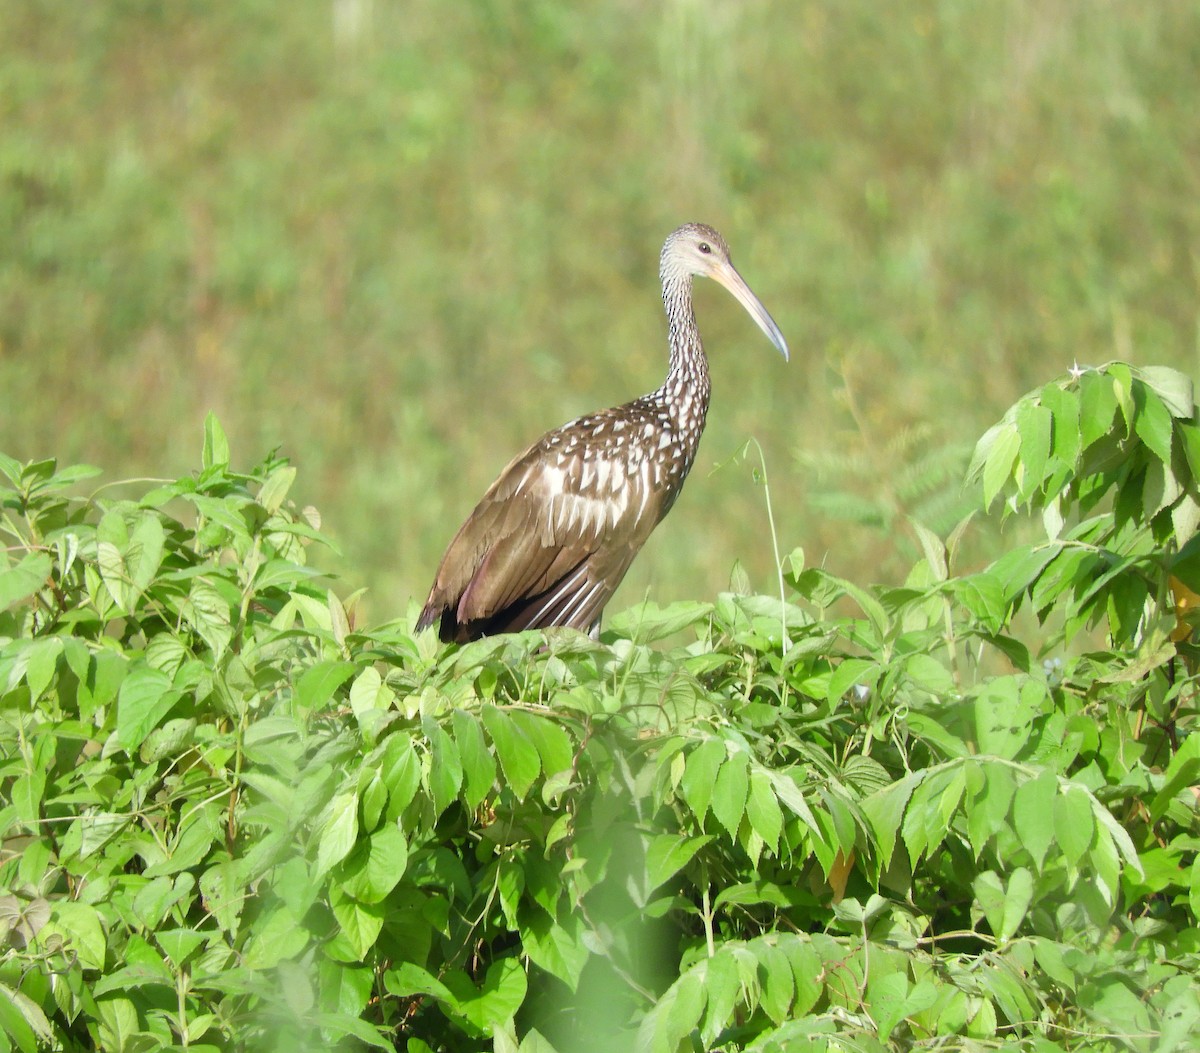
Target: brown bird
556, 532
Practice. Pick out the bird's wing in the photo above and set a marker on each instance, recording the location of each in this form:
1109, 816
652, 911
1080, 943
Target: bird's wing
548, 543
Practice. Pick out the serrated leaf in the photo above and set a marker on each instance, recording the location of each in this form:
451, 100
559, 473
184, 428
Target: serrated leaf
519, 758
851, 673
667, 854
376, 865
700, 776
1063, 404
988, 806
1153, 423
1173, 387
989, 894
997, 470
143, 556
1097, 407
360, 923
552, 743
1018, 894
444, 774
78, 924
144, 698
886, 998
318, 683
1034, 426
275, 489
1033, 815
763, 811
26, 578
730, 792
885, 811
479, 766
1074, 824
933, 547
216, 447
777, 984
559, 949
339, 831
928, 674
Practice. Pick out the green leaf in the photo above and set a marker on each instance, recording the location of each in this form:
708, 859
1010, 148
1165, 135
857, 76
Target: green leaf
276, 487
400, 769
519, 758
885, 811
318, 683
496, 1000
677, 1013
722, 986
778, 985
729, 792
928, 674
1004, 713
1172, 387
700, 776
1017, 896
1063, 404
479, 766
559, 949
444, 773
552, 742
997, 470
763, 811
26, 578
376, 865
1074, 824
1034, 425
648, 622
851, 673
1097, 407
216, 447
360, 923
807, 972
1182, 772
144, 698
987, 809
78, 925
1153, 423
1033, 815
144, 554
886, 999
207, 613
339, 830
41, 661
1189, 435
23, 1020
667, 854
405, 979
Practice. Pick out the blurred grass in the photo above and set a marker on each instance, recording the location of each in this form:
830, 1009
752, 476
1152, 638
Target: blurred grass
402, 240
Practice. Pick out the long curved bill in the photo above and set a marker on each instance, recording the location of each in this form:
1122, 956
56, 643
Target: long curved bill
725, 274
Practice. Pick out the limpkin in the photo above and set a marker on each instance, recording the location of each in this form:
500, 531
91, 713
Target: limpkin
554, 535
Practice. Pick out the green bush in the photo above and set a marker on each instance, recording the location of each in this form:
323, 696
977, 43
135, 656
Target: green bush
846, 819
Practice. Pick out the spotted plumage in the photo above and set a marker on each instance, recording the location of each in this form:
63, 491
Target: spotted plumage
552, 538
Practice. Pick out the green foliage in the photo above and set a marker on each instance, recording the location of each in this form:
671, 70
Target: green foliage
851, 818
401, 241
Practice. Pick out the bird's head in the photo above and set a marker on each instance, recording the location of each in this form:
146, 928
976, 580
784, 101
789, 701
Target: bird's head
697, 249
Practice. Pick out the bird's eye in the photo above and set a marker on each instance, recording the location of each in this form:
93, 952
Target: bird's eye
705, 247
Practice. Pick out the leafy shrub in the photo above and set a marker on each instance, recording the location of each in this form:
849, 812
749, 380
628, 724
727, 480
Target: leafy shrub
854, 818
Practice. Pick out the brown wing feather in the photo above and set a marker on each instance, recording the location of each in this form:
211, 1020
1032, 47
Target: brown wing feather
547, 544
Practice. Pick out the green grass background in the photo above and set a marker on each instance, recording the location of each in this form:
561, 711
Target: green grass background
400, 240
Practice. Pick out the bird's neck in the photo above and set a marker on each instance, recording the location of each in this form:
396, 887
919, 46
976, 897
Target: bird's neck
686, 390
